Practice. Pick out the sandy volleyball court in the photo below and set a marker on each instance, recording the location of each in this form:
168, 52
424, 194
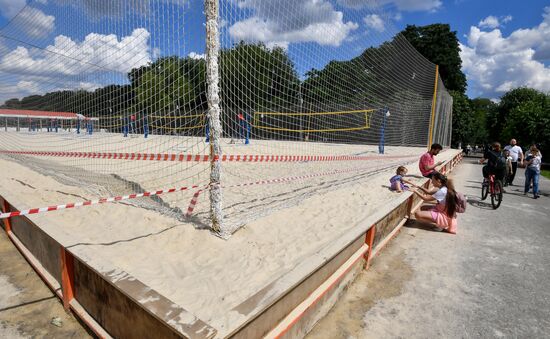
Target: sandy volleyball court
281, 226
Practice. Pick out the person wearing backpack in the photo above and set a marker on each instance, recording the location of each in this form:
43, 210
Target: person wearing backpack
496, 164
448, 203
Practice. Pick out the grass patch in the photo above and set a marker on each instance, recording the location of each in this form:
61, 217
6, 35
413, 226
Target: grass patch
545, 173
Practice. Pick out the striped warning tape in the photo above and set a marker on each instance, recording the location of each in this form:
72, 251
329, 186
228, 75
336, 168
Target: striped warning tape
93, 202
193, 202
200, 157
195, 198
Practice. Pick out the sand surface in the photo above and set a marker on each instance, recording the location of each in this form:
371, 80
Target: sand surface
487, 281
281, 225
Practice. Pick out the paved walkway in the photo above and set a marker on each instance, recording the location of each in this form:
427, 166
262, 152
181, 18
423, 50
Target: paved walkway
27, 306
491, 280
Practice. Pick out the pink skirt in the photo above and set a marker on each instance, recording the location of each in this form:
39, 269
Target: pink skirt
442, 220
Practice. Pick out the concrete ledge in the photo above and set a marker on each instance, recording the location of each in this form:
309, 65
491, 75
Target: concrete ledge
384, 226
116, 304
112, 304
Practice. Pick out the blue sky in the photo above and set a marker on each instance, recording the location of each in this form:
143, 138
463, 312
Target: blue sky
505, 44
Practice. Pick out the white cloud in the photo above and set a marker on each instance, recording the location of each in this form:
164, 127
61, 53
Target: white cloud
10, 8
495, 64
493, 22
18, 89
375, 22
506, 19
87, 86
69, 64
28, 86
299, 21
401, 5
194, 55
489, 22
42, 85
3, 48
66, 57
34, 22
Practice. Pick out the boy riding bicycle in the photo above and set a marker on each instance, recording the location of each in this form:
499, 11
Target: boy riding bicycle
496, 164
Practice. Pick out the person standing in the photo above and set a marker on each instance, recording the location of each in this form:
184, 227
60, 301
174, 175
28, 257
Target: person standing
530, 151
517, 156
426, 163
132, 123
508, 167
532, 173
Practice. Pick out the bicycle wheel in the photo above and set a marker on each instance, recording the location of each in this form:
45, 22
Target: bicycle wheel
484, 190
496, 197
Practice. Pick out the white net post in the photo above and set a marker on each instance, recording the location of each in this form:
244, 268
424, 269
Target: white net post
213, 99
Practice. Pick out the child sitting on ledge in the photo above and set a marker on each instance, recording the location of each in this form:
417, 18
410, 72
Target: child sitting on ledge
397, 183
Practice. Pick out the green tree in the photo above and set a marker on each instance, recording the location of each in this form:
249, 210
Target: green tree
498, 121
527, 117
464, 123
483, 109
439, 45
164, 86
13, 103
254, 77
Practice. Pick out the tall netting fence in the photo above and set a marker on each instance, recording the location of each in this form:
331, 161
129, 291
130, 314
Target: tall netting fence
314, 96
443, 114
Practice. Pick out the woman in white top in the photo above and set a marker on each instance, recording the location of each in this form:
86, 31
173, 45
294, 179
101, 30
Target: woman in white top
532, 172
443, 215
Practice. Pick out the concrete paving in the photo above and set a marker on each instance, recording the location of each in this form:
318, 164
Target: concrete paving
491, 280
27, 306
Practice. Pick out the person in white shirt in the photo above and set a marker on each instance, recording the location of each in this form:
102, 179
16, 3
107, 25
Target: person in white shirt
443, 215
508, 168
532, 173
517, 156
530, 151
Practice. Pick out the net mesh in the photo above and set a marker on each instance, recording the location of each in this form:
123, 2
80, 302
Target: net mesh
296, 78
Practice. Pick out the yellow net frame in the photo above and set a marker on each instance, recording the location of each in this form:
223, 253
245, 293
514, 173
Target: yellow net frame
159, 122
167, 120
368, 116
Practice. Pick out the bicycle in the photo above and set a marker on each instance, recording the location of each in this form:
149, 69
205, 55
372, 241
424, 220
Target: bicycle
494, 187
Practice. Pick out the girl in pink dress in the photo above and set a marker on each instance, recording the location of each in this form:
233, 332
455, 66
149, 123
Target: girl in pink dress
443, 215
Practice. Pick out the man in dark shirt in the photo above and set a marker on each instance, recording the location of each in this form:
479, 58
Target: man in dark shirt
496, 164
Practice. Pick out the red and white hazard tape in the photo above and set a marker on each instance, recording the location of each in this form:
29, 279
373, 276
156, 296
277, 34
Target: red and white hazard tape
195, 198
199, 157
94, 202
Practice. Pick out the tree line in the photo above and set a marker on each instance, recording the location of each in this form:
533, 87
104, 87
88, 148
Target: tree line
255, 78
521, 113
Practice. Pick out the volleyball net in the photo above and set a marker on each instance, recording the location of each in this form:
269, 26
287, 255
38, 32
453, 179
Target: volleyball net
306, 90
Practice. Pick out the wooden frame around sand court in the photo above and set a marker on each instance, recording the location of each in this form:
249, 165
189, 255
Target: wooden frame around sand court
116, 304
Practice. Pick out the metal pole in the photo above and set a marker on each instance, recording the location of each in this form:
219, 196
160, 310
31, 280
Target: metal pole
301, 102
385, 115
430, 135
213, 99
